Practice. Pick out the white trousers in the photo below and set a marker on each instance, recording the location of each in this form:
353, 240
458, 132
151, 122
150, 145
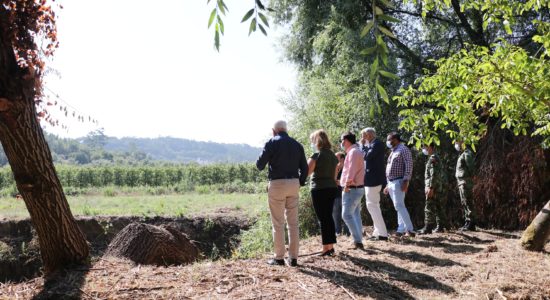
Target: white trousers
372, 194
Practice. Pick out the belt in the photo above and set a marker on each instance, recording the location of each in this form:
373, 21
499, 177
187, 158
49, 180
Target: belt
356, 186
396, 178
285, 177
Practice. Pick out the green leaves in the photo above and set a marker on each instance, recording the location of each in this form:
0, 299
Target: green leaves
382, 92
388, 74
252, 27
215, 15
367, 28
212, 17
386, 31
506, 84
264, 19
380, 51
256, 16
388, 18
248, 15
259, 20
369, 51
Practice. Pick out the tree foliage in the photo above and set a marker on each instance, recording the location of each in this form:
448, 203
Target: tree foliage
501, 81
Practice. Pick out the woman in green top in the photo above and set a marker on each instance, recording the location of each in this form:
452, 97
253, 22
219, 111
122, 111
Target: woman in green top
322, 164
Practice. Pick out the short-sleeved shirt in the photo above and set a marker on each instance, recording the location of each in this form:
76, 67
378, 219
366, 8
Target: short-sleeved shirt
325, 168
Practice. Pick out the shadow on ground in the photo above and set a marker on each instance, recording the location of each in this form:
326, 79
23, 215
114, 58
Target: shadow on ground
66, 284
365, 286
444, 244
417, 280
426, 259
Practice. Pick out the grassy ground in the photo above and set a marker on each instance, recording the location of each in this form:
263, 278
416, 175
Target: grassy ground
480, 265
147, 205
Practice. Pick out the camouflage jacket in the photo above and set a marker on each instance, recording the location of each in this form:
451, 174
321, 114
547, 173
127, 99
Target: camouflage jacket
465, 167
434, 175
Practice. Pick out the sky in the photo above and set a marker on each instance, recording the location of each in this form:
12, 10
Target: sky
146, 70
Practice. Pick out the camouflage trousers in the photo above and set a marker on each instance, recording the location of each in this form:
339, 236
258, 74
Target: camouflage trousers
465, 190
434, 211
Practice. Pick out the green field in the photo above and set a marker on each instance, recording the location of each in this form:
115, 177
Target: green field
149, 205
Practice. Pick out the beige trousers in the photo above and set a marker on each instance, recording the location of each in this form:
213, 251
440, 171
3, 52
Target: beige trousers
283, 204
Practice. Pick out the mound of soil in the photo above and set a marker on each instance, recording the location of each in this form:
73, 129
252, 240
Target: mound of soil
153, 245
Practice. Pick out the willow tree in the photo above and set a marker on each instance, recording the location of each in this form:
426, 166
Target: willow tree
27, 38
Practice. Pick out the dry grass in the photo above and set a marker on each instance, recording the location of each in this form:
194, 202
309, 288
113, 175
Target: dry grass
481, 265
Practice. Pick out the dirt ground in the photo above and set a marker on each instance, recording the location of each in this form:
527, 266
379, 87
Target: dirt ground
480, 265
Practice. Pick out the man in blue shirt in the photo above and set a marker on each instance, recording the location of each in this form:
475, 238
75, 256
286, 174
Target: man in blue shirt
287, 172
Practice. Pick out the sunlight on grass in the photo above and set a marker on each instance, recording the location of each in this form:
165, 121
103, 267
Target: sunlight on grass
148, 205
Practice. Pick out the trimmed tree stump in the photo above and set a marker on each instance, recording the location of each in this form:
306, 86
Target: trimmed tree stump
534, 238
153, 245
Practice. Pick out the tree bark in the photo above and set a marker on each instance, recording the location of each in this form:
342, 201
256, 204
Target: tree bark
61, 241
538, 233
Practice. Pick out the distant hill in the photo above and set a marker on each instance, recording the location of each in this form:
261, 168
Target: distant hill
99, 149
183, 150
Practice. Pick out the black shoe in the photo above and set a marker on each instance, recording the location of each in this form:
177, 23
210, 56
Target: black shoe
427, 229
439, 229
292, 262
469, 226
328, 253
376, 238
410, 234
276, 262
358, 246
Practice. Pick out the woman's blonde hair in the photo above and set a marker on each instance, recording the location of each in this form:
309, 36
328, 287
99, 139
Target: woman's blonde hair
320, 139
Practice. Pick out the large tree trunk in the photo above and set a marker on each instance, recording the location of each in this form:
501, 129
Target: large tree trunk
537, 234
61, 241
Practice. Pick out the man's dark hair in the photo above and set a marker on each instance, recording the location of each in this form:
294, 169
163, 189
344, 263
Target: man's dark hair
349, 136
394, 135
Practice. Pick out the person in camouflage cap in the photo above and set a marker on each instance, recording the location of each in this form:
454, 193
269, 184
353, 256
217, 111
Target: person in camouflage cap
434, 179
464, 176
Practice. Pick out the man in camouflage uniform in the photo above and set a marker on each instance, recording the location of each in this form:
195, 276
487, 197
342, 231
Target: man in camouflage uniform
464, 176
434, 180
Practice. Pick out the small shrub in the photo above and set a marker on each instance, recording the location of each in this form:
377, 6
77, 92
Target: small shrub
110, 192
6, 252
203, 189
257, 240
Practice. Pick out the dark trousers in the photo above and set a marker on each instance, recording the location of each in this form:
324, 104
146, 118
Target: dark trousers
323, 202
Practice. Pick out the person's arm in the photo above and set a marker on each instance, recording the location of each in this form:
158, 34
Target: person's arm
311, 163
265, 156
364, 150
336, 171
303, 167
428, 189
407, 161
